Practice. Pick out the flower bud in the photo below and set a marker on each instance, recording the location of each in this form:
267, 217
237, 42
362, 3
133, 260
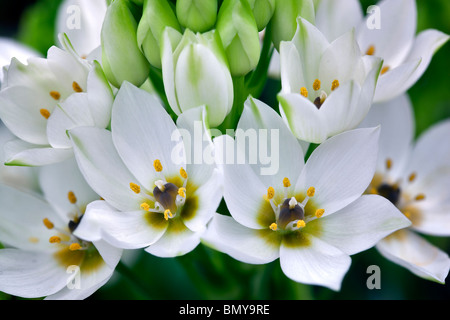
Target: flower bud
195, 73
239, 33
285, 18
262, 11
121, 58
197, 15
157, 15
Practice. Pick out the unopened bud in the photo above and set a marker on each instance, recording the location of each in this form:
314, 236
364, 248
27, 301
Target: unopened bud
262, 11
197, 15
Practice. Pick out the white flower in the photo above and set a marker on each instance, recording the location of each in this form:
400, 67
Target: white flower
81, 21
406, 55
155, 198
312, 216
195, 73
326, 88
40, 101
416, 178
42, 257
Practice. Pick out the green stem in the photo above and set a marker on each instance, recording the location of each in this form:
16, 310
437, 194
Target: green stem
240, 95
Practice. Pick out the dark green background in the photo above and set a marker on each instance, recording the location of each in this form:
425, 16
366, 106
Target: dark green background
207, 274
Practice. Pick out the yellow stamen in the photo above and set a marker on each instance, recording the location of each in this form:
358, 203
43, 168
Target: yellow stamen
273, 227
183, 173
55, 95
319, 213
334, 85
388, 164
311, 192
145, 206
301, 224
373, 190
45, 113
168, 214
54, 239
76, 87
135, 188
72, 198
270, 193
420, 197
316, 85
286, 183
370, 51
412, 177
157, 165
304, 92
182, 192
74, 247
385, 69
407, 214
48, 224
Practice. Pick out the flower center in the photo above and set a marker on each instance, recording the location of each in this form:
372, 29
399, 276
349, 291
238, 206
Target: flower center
166, 197
290, 214
319, 96
65, 235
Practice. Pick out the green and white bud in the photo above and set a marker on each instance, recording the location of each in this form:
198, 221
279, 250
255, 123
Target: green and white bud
195, 73
239, 33
284, 20
121, 58
157, 15
197, 15
262, 11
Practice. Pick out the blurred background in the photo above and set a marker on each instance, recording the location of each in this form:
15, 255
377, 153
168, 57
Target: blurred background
206, 274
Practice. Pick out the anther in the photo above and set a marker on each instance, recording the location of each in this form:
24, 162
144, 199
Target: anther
145, 206
135, 188
76, 87
311, 192
72, 198
286, 183
182, 192
157, 165
420, 197
168, 214
388, 164
45, 113
370, 51
412, 177
54, 239
304, 92
316, 85
334, 85
300, 224
319, 213
270, 193
183, 173
55, 95
74, 247
48, 223
273, 227
385, 69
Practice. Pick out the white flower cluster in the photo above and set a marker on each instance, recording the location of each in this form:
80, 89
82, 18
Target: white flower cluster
106, 122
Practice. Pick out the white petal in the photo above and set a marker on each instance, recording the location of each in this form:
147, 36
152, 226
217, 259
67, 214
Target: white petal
414, 253
144, 135
341, 168
21, 153
290, 67
90, 227
102, 167
244, 244
284, 155
178, 240
360, 225
396, 119
30, 274
14, 49
58, 180
303, 118
316, 263
334, 18
395, 36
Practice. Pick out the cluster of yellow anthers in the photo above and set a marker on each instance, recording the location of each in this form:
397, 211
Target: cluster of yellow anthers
162, 185
56, 96
320, 99
73, 242
292, 205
